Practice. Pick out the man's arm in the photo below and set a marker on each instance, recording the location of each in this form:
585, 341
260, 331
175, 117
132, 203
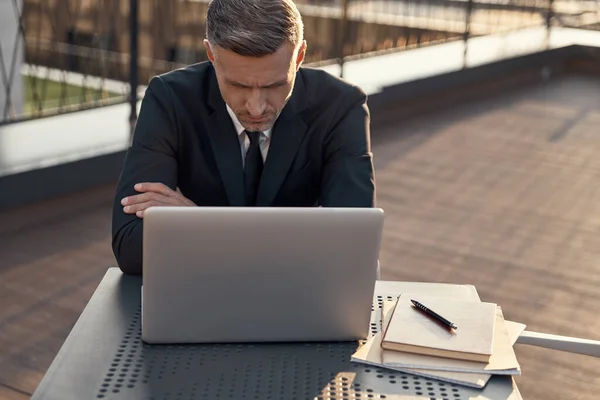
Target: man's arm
348, 173
151, 158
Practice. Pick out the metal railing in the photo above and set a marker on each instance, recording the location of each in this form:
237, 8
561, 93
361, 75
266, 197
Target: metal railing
69, 55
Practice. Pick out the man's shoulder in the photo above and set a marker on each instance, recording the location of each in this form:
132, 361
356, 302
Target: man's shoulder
321, 86
186, 81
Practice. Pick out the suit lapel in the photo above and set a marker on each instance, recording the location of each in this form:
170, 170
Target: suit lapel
226, 147
287, 135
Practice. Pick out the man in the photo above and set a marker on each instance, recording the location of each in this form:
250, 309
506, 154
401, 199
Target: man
249, 127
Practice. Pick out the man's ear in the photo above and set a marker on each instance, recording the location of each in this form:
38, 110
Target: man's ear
301, 54
209, 51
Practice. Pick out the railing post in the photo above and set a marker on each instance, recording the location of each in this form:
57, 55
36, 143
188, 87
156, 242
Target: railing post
342, 40
133, 61
550, 14
467, 33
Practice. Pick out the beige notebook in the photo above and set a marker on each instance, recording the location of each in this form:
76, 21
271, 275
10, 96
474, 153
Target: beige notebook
502, 362
371, 353
476, 380
411, 330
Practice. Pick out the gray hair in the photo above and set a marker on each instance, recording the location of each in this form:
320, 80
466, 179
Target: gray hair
253, 27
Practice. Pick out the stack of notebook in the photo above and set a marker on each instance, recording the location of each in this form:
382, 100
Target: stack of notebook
411, 340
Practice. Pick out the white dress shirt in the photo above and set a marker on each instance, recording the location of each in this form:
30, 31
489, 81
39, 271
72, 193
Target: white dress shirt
265, 138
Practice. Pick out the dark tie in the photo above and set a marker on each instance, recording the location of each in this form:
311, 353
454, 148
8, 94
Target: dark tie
253, 168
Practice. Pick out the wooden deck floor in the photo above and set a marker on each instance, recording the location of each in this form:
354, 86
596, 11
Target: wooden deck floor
503, 194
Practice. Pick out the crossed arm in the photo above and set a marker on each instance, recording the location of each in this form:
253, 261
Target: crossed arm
153, 194
148, 178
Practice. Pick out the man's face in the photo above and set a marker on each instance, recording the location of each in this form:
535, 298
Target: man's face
256, 88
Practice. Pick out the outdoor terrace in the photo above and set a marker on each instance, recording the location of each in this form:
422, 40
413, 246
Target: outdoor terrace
487, 170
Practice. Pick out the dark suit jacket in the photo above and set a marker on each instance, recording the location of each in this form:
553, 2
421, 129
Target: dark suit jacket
319, 153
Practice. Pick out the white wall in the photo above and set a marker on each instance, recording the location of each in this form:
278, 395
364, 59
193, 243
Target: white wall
9, 28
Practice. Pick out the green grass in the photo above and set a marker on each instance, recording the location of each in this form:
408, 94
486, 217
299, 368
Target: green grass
45, 94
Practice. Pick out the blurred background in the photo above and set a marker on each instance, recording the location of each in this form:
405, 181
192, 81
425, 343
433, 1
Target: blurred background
485, 130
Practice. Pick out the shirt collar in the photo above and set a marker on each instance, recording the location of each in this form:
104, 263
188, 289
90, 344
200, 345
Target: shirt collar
238, 126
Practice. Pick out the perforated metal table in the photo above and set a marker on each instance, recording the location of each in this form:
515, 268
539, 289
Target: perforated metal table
104, 358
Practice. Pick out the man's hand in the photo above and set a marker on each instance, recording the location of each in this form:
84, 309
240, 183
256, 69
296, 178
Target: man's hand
153, 194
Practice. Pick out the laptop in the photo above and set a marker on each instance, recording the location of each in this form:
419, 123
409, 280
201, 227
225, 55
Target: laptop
259, 274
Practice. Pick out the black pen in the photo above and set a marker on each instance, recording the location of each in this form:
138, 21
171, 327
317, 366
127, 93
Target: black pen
434, 315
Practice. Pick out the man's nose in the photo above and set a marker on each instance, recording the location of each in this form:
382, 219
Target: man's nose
256, 103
